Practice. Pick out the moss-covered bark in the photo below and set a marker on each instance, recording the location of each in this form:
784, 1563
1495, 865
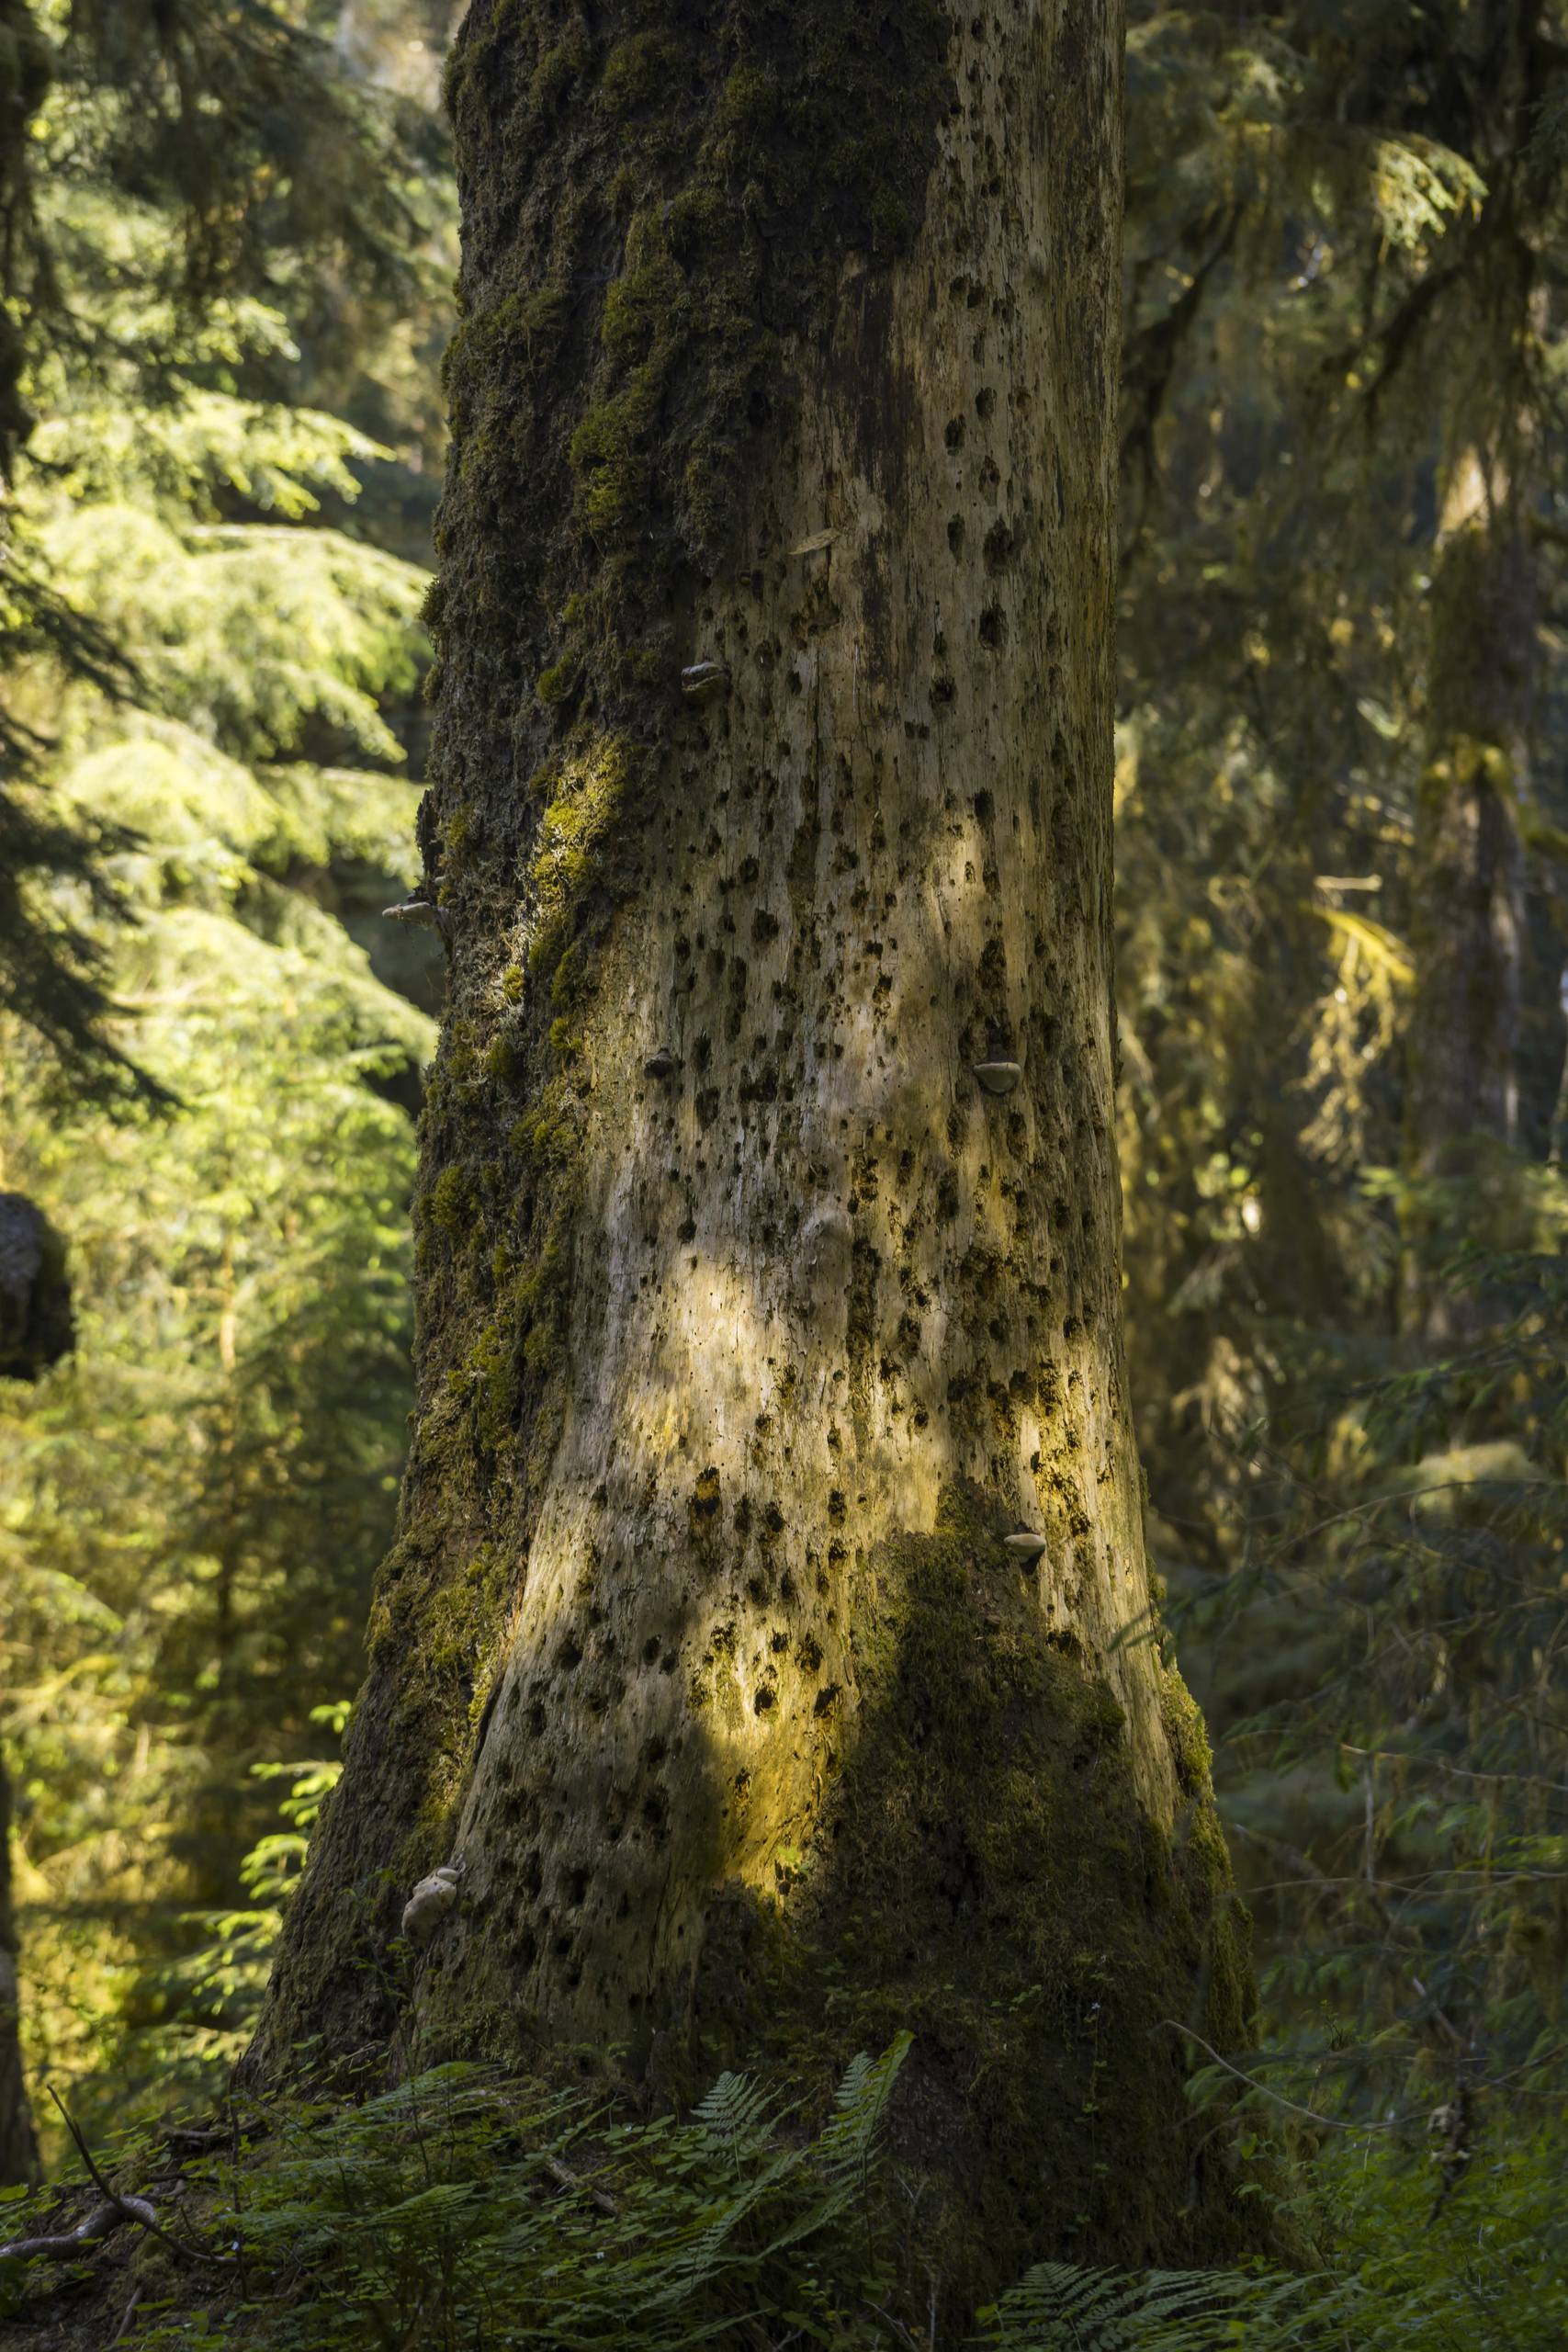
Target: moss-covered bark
752, 1321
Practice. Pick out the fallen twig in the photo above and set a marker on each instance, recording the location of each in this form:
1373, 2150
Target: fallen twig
103, 2219
124, 2323
137, 2210
564, 2178
1328, 2122
196, 2139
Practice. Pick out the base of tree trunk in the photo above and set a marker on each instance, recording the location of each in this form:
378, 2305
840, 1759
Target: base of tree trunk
985, 1876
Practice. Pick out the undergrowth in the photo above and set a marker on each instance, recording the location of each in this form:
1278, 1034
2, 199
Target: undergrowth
462, 2212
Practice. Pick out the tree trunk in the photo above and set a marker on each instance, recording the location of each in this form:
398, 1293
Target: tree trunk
19, 2149
1467, 930
752, 1319
36, 1324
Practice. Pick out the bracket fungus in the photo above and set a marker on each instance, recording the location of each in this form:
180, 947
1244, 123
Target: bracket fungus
430, 1902
997, 1077
1024, 1545
705, 682
419, 911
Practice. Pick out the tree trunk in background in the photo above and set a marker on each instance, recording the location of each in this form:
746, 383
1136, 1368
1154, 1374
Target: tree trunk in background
1467, 930
19, 2149
28, 53
751, 1323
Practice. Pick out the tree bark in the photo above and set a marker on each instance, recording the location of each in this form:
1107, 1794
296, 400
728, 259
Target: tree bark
1467, 930
751, 1320
36, 1324
19, 2149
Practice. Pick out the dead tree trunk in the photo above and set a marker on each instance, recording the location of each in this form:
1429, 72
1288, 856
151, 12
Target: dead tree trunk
768, 1250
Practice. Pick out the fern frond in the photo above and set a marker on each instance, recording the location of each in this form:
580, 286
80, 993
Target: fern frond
736, 2117
848, 2141
1066, 2307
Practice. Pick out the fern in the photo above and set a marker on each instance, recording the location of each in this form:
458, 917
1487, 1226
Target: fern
850, 2141
736, 2117
461, 2210
1060, 2307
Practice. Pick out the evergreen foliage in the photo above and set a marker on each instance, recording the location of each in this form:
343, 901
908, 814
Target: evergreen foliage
212, 685
1347, 237
183, 192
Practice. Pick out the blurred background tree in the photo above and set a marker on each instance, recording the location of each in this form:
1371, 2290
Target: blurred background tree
227, 243
1342, 823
